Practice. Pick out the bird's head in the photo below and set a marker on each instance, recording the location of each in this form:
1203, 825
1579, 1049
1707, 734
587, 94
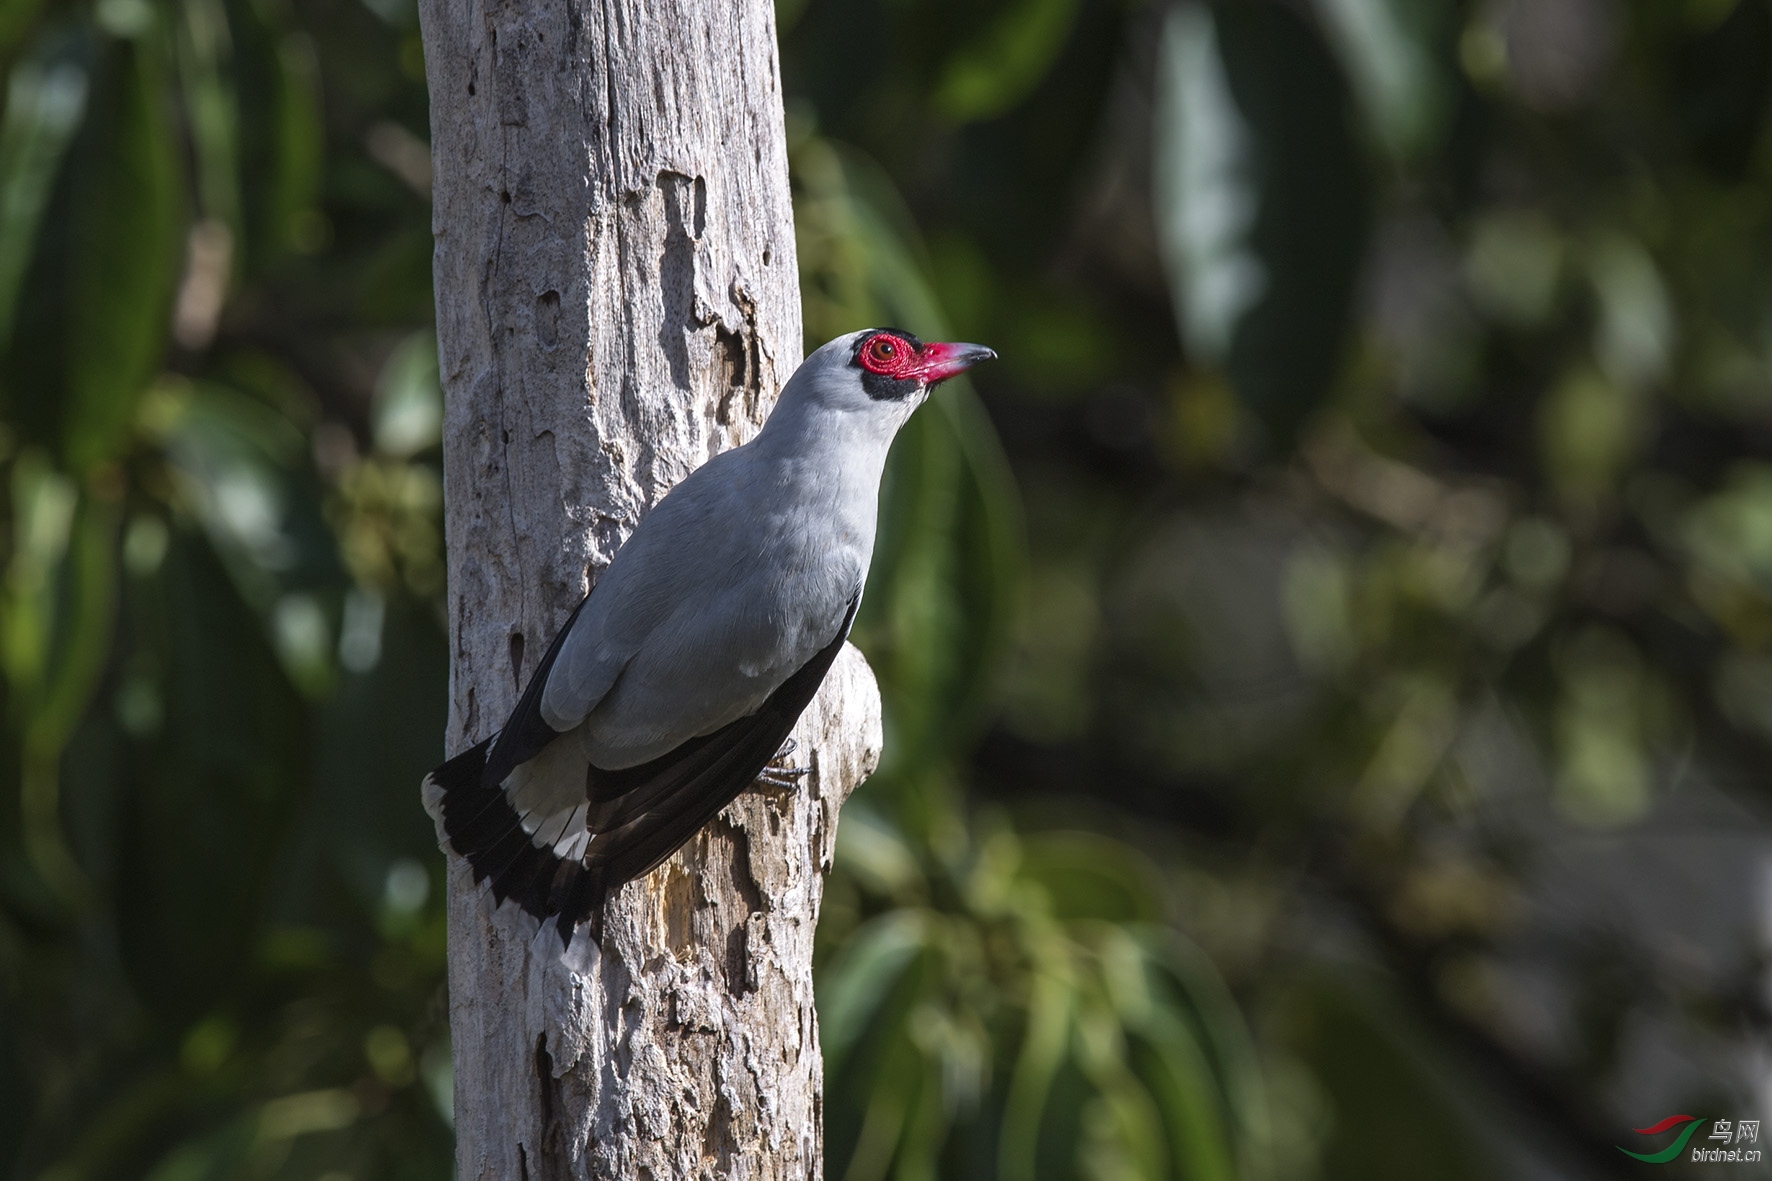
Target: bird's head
893, 365
882, 372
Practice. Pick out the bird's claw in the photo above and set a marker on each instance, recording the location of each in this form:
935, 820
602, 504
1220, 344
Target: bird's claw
776, 775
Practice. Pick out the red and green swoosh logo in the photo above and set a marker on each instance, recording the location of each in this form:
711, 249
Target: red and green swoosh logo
1692, 1122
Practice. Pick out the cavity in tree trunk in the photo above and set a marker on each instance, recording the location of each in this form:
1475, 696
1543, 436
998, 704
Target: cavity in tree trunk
617, 301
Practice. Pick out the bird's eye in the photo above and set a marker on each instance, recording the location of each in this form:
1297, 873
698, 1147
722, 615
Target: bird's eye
886, 355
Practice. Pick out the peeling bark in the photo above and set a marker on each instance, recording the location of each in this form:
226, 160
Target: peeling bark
617, 301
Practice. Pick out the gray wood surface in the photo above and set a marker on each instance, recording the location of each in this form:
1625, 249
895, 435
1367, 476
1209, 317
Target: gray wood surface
616, 302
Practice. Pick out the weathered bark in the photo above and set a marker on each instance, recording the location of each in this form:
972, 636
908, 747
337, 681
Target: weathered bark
616, 301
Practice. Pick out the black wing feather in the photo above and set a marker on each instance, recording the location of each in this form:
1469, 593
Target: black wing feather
527, 732
660, 805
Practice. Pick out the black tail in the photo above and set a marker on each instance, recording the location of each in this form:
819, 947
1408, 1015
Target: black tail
476, 820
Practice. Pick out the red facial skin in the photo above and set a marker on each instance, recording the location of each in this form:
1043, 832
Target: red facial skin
892, 356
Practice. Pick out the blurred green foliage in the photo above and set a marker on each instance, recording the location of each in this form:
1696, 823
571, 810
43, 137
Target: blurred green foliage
219, 626
1328, 661
1386, 384
990, 1002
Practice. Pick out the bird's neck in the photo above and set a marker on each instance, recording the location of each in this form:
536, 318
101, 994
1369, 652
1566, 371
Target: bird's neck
850, 449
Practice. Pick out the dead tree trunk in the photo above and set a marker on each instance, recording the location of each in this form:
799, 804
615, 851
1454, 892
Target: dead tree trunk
617, 301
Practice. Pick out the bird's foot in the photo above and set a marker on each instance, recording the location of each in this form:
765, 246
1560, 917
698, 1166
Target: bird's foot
786, 777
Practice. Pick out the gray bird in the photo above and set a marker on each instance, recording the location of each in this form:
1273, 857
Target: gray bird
675, 683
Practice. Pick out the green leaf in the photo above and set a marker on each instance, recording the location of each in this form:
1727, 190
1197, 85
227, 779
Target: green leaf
212, 795
1042, 1052
852, 988
1399, 54
1182, 1084
276, 78
991, 73
45, 101
1261, 202
88, 594
896, 1080
205, 51
57, 614
43, 505
125, 255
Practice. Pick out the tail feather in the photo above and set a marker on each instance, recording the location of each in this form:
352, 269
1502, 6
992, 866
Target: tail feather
477, 822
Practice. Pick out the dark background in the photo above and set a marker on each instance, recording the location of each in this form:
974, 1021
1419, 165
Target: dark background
1328, 659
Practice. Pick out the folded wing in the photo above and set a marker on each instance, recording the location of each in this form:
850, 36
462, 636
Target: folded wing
555, 834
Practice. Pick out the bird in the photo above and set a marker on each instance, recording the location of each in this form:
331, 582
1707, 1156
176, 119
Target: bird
675, 682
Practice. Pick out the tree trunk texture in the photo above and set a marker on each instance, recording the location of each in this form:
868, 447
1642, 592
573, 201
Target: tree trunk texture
616, 302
